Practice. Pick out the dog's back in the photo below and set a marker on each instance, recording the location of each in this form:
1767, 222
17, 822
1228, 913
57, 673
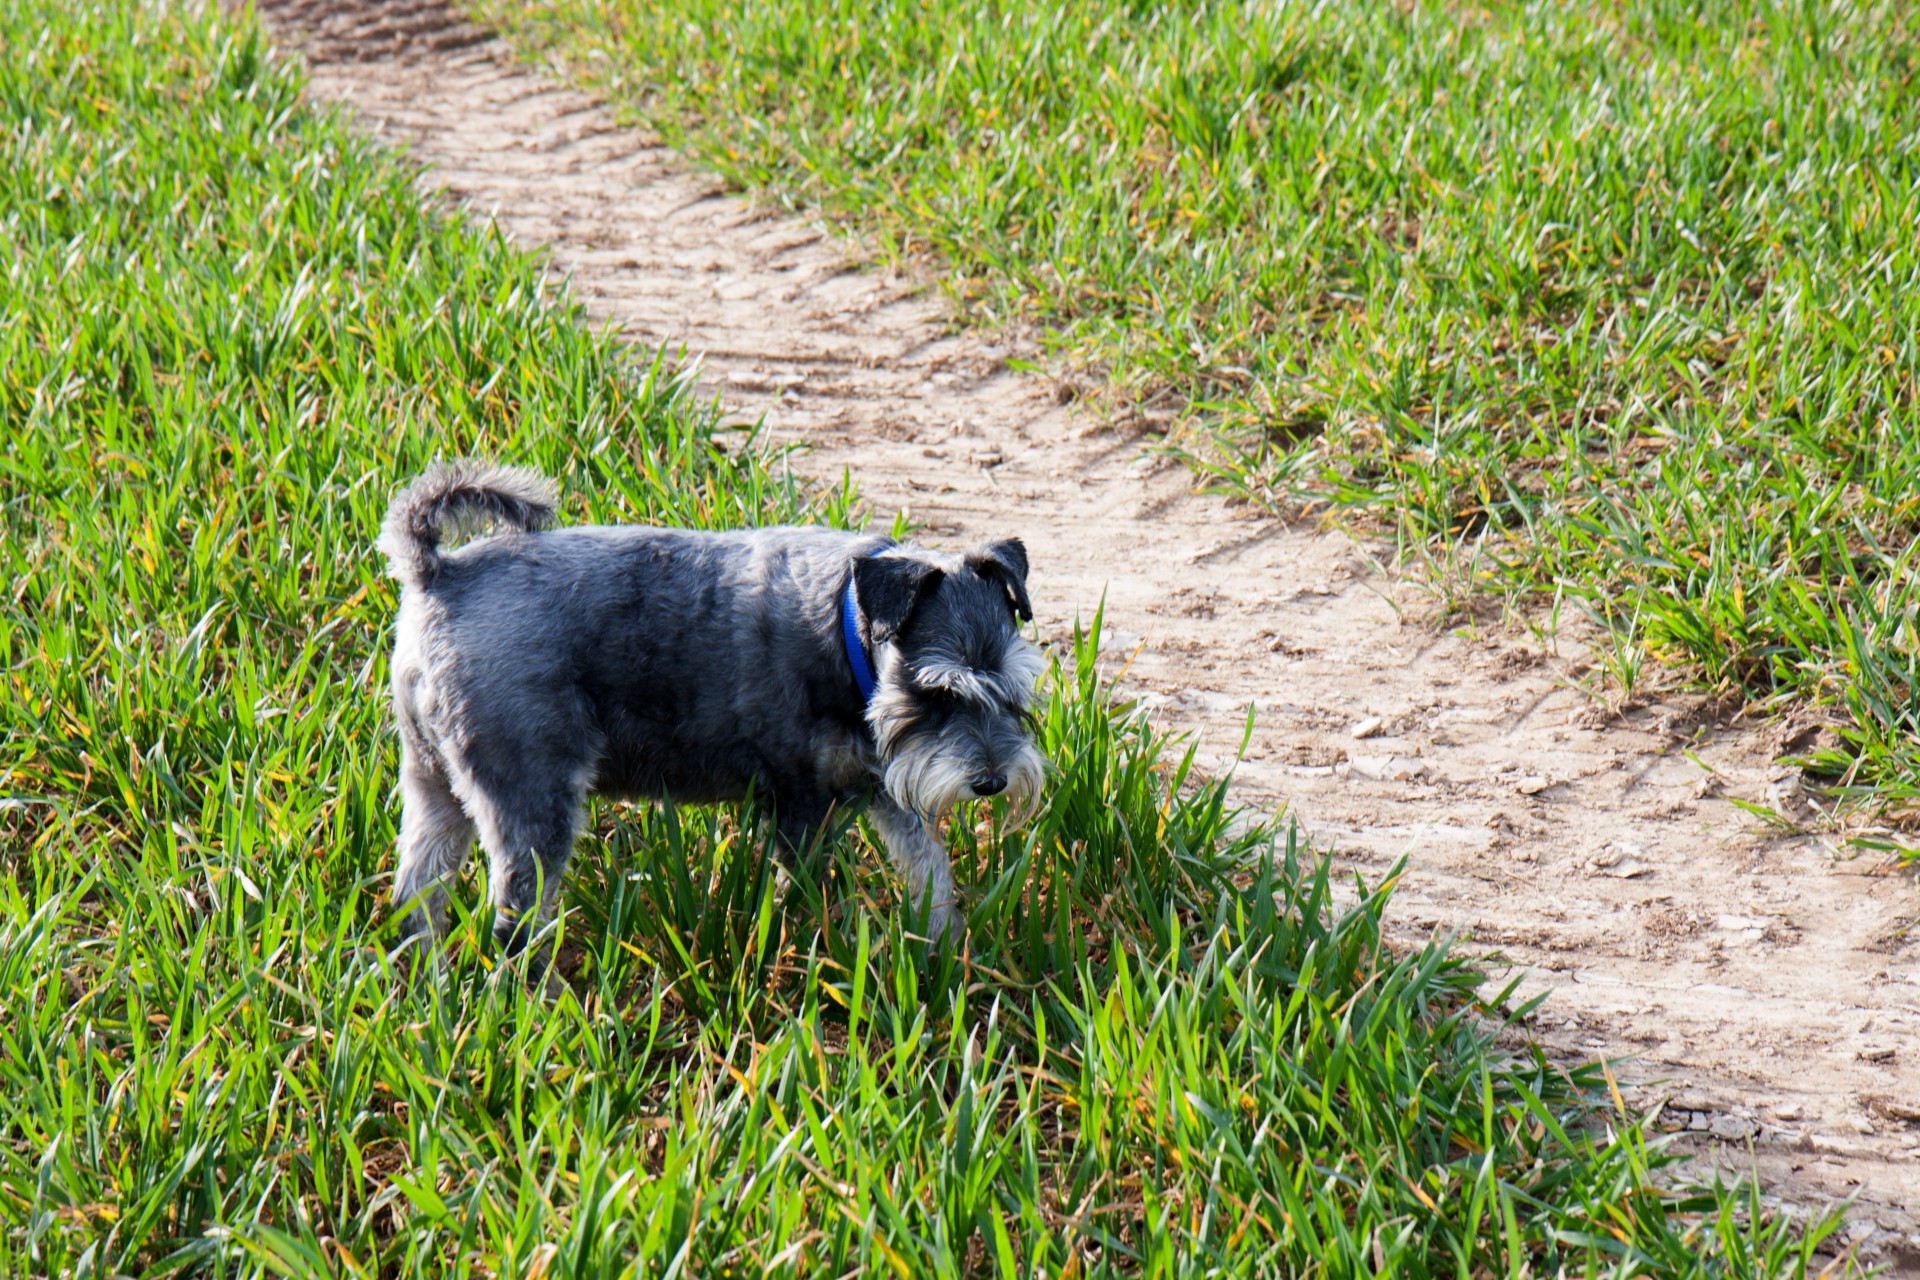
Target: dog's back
665, 661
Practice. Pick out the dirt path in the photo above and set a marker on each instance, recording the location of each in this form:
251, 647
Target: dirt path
1771, 986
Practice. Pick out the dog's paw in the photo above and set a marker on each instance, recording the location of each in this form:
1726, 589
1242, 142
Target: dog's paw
418, 962
946, 925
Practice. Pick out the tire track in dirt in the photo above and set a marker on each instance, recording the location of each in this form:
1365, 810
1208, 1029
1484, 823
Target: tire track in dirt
1769, 986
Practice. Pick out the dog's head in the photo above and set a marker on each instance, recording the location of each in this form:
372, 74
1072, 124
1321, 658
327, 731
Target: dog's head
954, 678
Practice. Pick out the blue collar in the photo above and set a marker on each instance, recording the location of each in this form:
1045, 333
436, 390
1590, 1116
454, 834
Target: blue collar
856, 650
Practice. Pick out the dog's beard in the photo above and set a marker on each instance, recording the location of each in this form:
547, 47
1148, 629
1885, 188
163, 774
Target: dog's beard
930, 782
1026, 775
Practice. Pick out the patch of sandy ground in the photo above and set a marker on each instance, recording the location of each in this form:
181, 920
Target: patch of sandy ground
1764, 986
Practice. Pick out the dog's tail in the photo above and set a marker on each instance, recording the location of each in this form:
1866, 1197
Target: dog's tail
453, 496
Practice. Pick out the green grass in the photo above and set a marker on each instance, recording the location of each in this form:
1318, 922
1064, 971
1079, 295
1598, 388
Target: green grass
1605, 306
228, 330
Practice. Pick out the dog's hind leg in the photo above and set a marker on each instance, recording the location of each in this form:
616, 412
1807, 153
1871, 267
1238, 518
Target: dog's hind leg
528, 834
435, 837
922, 863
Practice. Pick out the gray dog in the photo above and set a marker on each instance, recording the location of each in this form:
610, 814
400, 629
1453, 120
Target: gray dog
805, 667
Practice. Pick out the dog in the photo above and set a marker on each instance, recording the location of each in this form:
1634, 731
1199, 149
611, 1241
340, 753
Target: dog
802, 667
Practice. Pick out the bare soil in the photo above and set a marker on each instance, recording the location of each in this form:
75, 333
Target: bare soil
1762, 982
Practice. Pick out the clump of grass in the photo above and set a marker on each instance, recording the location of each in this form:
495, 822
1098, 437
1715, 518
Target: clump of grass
1166, 1051
1621, 299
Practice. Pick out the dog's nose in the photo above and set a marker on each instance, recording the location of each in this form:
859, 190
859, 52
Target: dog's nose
990, 784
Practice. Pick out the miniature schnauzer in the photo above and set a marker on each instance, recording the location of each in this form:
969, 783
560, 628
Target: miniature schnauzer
804, 667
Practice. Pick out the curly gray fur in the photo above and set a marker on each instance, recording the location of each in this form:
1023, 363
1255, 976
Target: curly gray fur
458, 497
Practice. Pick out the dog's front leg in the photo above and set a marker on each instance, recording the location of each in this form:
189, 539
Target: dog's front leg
799, 821
922, 862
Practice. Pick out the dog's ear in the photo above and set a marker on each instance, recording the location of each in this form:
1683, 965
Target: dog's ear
1005, 562
889, 588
